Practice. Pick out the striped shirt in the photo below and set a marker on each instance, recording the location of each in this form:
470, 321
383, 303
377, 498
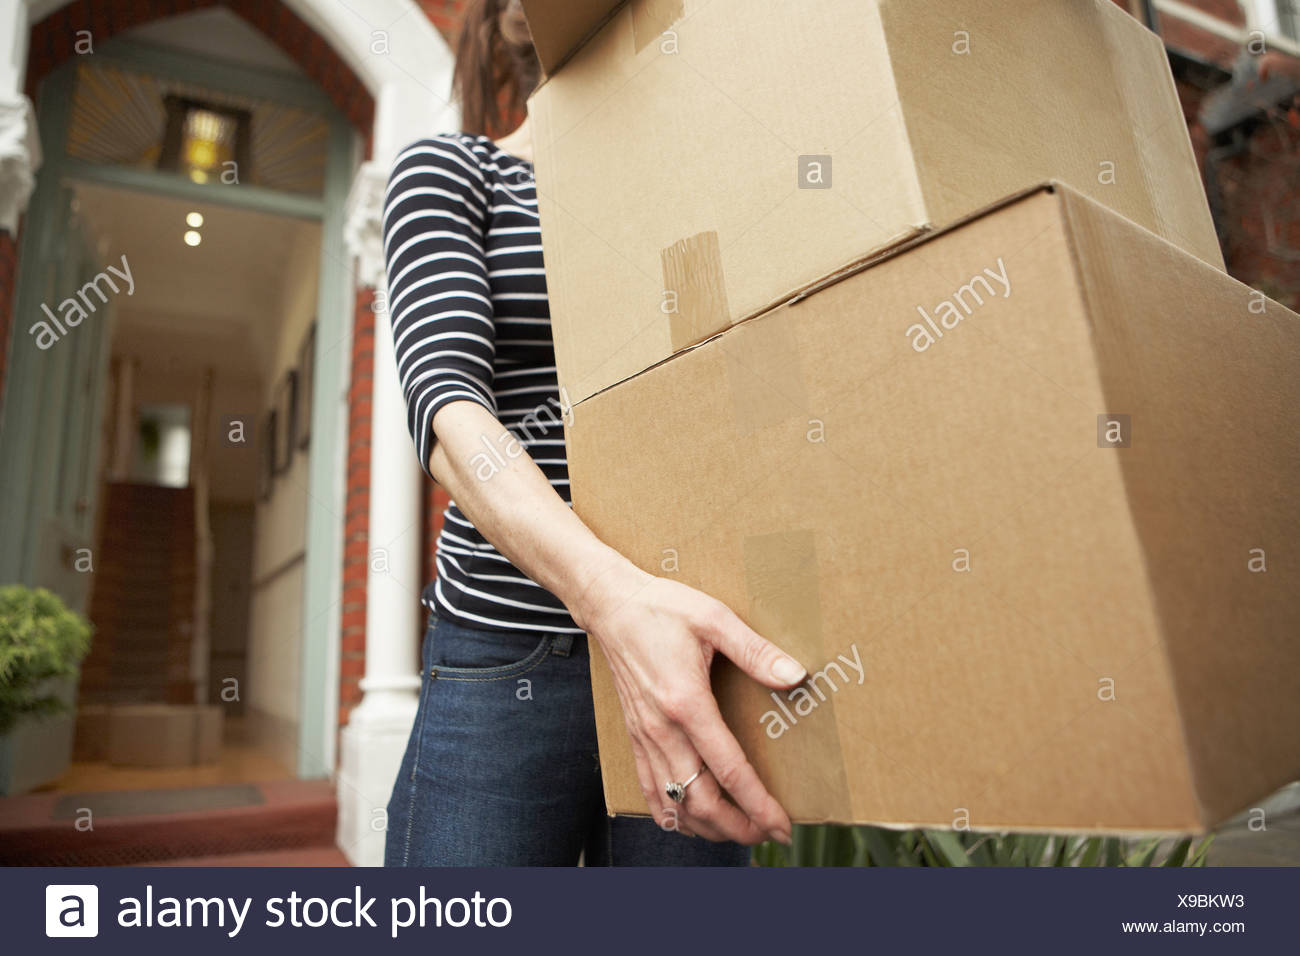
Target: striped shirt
471, 322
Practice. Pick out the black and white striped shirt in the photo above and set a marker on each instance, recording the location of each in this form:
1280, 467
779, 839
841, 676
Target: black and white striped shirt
467, 300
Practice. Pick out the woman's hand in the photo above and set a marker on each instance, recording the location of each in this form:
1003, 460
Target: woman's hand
659, 637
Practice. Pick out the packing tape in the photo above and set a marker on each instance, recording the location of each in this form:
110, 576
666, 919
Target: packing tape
782, 583
650, 18
763, 373
692, 270
796, 743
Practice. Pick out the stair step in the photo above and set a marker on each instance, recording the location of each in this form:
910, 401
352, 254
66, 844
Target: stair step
305, 856
293, 815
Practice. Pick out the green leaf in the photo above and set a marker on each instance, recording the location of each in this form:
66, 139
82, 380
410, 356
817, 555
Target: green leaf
883, 846
948, 847
980, 852
1069, 851
1114, 852
1033, 847
861, 853
1201, 857
928, 857
1178, 854
1092, 852
1145, 853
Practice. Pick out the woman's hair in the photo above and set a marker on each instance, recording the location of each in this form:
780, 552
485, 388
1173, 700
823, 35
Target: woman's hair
496, 66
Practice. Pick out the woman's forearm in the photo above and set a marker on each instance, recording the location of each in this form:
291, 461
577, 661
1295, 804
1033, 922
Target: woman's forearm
659, 636
503, 493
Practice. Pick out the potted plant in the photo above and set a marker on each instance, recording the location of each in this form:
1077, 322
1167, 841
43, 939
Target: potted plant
42, 643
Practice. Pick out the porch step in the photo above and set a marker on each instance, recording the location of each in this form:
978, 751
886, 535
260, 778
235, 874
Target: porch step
187, 826
307, 856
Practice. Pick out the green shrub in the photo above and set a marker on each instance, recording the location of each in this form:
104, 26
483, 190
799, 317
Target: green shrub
40, 639
874, 846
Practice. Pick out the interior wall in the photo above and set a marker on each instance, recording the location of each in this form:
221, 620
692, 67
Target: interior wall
236, 395
275, 621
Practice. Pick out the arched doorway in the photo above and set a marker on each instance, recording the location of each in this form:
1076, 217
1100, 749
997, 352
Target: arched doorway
373, 75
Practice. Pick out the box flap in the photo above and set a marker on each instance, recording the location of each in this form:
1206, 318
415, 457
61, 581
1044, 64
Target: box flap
559, 27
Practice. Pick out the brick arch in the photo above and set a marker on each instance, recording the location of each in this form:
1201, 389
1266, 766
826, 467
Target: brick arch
53, 42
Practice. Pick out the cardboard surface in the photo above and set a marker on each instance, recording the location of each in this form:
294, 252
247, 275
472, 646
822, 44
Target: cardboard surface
669, 148
1015, 618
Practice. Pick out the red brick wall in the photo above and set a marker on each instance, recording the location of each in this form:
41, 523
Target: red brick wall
1260, 221
1260, 216
1229, 10
356, 509
445, 15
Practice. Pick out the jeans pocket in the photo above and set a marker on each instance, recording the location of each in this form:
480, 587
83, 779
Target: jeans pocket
468, 654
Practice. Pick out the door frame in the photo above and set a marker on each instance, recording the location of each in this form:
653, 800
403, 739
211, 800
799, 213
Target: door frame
30, 397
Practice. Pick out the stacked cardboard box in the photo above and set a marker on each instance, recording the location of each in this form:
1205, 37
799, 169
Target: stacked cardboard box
901, 328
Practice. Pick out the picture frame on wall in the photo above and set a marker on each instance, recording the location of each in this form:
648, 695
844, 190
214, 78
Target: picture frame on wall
286, 400
266, 457
306, 375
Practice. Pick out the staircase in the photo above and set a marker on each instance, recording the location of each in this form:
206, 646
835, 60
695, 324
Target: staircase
142, 600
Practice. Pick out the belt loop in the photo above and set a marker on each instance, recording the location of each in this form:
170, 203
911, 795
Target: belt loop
562, 644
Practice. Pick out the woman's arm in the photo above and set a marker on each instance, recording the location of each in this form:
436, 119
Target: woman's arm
658, 635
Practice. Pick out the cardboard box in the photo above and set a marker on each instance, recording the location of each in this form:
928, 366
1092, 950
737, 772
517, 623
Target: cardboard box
1022, 498
673, 144
163, 735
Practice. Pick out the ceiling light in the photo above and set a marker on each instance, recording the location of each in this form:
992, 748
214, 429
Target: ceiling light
205, 141
194, 220
192, 238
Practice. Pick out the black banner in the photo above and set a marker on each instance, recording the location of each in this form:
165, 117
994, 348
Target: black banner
201, 910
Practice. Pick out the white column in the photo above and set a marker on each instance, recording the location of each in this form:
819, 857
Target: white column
410, 80
375, 737
20, 148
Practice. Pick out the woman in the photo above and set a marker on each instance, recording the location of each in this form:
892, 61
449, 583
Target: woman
501, 766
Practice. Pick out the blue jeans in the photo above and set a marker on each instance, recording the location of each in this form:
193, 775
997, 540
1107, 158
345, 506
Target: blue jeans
501, 768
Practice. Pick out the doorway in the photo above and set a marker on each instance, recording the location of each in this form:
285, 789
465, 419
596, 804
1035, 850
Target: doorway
180, 434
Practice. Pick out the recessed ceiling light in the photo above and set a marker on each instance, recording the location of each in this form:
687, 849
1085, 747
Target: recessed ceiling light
192, 238
194, 220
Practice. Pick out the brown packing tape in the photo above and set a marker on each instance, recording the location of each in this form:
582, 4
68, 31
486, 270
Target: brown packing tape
797, 729
693, 276
763, 374
651, 18
781, 580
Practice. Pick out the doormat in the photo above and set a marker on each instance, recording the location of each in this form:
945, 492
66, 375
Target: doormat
138, 803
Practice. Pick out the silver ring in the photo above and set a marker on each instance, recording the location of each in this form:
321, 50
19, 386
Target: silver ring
677, 791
